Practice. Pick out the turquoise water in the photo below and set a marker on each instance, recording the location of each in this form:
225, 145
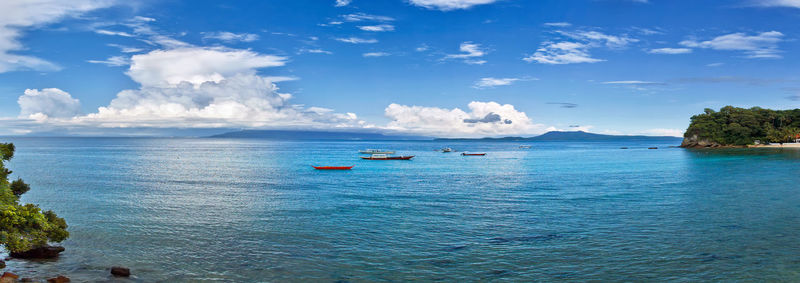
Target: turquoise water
250, 210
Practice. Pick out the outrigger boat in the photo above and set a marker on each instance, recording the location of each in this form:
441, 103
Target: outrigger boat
473, 154
386, 157
332, 167
375, 151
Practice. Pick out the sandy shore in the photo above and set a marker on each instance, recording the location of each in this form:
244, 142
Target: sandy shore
776, 145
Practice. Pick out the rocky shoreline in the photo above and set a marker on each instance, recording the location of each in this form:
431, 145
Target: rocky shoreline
46, 252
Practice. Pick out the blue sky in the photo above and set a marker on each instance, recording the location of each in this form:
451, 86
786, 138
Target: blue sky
433, 67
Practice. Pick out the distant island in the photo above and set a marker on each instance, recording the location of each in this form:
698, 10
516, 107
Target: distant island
740, 127
567, 136
314, 135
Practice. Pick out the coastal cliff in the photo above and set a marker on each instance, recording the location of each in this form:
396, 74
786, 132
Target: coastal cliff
741, 127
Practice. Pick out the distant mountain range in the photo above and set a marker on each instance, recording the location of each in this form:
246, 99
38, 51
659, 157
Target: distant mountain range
332, 135
314, 135
568, 136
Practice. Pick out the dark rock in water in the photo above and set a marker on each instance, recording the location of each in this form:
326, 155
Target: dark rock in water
59, 279
26, 279
695, 142
624, 147
40, 252
120, 271
652, 147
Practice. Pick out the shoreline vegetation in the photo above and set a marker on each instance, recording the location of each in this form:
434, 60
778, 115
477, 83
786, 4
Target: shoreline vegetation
734, 127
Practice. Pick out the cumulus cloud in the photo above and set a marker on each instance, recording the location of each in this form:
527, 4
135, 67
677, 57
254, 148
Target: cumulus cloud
197, 87
670, 51
196, 65
377, 28
48, 103
20, 15
230, 37
448, 5
356, 40
762, 45
482, 119
493, 82
577, 48
470, 53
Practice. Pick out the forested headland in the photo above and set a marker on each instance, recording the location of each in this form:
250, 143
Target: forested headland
734, 126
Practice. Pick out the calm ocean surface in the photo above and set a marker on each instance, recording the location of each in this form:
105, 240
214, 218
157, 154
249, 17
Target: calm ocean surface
177, 210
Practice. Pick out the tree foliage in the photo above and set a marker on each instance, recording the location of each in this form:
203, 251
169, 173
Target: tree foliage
741, 126
24, 226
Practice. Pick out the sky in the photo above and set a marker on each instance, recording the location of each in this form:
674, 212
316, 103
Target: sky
445, 68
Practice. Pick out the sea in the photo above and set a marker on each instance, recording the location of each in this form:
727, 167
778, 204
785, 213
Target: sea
250, 210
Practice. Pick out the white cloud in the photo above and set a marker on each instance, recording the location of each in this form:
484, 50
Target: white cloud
577, 50
471, 53
777, 3
376, 54
448, 5
109, 32
359, 17
762, 45
342, 3
113, 61
19, 16
562, 53
670, 51
356, 40
196, 65
421, 48
558, 24
377, 28
231, 37
126, 49
717, 64
314, 50
196, 87
482, 119
493, 82
48, 103
664, 132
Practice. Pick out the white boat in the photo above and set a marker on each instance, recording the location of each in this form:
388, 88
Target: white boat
375, 151
447, 149
524, 146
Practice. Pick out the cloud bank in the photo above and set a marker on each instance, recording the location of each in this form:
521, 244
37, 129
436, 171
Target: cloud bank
482, 119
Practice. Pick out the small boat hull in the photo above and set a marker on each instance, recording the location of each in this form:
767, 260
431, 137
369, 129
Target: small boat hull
333, 167
376, 152
387, 157
473, 154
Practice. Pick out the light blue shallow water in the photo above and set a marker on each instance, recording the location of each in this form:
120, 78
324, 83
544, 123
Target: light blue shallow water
251, 210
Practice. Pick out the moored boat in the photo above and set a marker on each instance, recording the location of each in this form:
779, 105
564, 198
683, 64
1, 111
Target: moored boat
332, 167
386, 157
473, 154
447, 149
524, 146
375, 151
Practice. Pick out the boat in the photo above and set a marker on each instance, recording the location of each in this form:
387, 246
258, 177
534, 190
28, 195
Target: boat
447, 149
524, 146
375, 151
332, 167
473, 154
381, 156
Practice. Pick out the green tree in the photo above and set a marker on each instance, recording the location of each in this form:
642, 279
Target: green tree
24, 227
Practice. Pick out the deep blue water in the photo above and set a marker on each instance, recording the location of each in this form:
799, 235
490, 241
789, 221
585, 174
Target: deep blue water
252, 210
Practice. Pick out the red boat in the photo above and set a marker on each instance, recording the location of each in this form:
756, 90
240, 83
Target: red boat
332, 167
386, 157
473, 154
